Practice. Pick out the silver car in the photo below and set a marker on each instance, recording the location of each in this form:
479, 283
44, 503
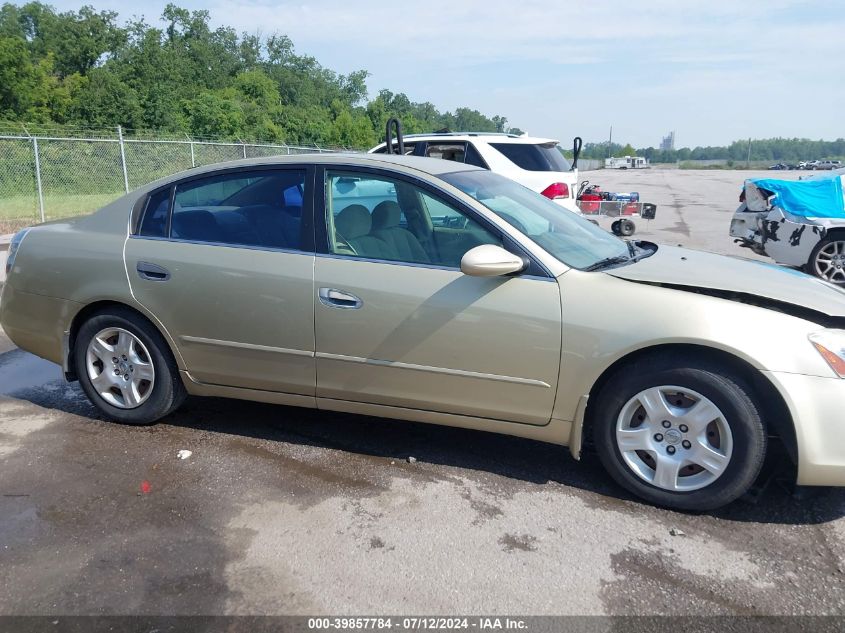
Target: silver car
431, 291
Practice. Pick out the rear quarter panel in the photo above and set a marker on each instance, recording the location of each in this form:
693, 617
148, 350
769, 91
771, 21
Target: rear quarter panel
60, 268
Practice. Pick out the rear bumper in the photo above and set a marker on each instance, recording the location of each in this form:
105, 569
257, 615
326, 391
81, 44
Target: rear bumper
36, 323
568, 204
817, 406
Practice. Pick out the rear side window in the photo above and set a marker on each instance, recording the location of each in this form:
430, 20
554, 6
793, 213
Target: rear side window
154, 223
545, 157
261, 209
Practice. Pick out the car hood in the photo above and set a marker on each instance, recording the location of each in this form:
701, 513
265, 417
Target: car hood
739, 279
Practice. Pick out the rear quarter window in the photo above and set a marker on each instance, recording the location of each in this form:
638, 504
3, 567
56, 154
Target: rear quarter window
530, 157
154, 222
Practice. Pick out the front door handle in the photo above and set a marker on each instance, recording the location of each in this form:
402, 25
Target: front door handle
152, 272
339, 299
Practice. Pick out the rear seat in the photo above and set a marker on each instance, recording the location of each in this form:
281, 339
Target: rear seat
278, 227
196, 224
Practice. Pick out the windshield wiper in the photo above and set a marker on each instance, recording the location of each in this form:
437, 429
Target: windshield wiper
608, 261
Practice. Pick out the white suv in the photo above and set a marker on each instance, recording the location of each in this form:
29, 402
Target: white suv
536, 163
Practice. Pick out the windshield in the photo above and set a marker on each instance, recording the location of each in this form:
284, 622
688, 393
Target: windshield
566, 236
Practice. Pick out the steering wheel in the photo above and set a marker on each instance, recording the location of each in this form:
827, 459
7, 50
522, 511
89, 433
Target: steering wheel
341, 243
459, 223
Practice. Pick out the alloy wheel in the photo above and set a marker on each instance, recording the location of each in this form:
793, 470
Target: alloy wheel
830, 262
120, 368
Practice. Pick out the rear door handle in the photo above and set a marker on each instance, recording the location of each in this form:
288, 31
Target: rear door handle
339, 299
152, 272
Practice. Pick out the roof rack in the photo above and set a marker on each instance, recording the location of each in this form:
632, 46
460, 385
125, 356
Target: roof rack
463, 134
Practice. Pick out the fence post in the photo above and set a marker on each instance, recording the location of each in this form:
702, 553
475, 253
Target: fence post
38, 177
193, 158
244, 148
123, 159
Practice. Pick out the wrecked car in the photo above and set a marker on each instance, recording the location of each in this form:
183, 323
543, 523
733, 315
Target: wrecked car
796, 223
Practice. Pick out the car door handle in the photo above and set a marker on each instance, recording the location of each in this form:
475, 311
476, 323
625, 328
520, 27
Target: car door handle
339, 299
152, 272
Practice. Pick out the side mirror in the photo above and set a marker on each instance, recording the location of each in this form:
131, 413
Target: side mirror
489, 260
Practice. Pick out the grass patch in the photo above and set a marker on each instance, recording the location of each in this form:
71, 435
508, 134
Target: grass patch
20, 211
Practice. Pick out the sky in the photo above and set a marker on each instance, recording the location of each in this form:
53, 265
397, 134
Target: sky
712, 71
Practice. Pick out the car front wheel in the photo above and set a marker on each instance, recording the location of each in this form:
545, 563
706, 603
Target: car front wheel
682, 435
126, 369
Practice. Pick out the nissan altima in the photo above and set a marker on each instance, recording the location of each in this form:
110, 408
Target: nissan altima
426, 290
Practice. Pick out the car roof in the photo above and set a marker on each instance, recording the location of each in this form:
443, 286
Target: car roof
431, 166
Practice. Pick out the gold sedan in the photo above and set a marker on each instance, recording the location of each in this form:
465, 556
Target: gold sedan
426, 290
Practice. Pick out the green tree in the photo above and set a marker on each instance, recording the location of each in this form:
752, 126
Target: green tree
211, 114
102, 99
26, 88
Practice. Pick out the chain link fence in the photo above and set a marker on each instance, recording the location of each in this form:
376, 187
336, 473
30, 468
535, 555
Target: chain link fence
45, 177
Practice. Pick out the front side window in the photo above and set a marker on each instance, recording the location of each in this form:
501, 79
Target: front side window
571, 239
260, 208
381, 218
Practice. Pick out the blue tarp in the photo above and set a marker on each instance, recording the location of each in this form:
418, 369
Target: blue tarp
820, 198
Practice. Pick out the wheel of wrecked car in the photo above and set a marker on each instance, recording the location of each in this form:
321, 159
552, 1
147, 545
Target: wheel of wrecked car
680, 434
616, 228
626, 227
126, 369
827, 260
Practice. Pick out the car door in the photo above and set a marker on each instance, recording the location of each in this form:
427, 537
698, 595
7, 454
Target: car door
225, 262
398, 324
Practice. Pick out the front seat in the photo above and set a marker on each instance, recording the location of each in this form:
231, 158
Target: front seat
386, 217
353, 225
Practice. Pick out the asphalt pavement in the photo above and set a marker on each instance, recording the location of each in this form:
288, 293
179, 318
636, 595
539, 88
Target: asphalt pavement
288, 511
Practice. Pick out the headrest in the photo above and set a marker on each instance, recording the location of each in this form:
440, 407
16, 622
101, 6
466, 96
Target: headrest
386, 215
354, 221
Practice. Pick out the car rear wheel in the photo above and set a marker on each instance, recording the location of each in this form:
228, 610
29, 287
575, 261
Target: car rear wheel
126, 369
680, 434
827, 261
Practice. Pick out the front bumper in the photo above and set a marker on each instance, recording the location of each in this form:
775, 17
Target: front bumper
816, 405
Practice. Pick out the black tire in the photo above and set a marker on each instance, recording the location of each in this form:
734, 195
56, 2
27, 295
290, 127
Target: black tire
168, 392
724, 388
811, 267
615, 228
627, 228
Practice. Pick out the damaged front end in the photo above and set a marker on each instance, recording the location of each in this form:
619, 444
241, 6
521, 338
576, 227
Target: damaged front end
786, 220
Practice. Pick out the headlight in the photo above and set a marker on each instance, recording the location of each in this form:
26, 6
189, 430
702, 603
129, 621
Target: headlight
14, 245
831, 345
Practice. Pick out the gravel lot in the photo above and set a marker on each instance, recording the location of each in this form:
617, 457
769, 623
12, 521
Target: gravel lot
288, 511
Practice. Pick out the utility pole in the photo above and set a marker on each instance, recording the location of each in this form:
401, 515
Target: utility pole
609, 141
748, 156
